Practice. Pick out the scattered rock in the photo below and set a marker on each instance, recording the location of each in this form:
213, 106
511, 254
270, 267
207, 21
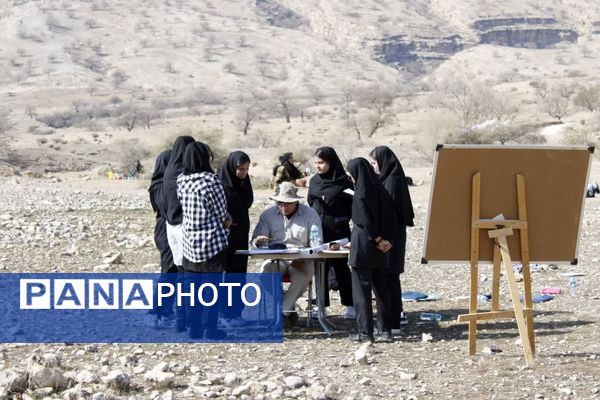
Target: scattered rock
426, 337
230, 379
47, 377
113, 259
51, 360
13, 380
491, 350
361, 355
332, 391
117, 379
159, 377
240, 390
86, 377
316, 392
294, 382
406, 376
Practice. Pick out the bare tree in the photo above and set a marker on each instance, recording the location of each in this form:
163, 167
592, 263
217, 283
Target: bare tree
565, 90
147, 117
230, 67
77, 105
378, 103
6, 125
128, 119
284, 103
248, 109
30, 111
541, 88
115, 100
367, 110
118, 77
349, 111
588, 98
467, 98
556, 106
315, 93
501, 108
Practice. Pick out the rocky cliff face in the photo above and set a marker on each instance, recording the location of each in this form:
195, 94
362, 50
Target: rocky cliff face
537, 33
402, 50
540, 33
278, 15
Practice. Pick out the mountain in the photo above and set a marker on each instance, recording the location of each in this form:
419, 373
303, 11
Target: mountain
86, 76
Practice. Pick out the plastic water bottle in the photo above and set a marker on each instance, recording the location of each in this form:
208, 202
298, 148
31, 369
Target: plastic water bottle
426, 316
573, 286
315, 238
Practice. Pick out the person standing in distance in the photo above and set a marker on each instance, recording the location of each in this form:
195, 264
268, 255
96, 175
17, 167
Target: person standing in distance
327, 197
174, 216
391, 174
238, 191
372, 218
205, 223
168, 270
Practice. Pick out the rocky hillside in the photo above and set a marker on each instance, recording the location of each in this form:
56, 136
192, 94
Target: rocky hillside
77, 77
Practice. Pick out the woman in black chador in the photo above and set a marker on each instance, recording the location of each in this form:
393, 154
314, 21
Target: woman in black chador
392, 177
174, 216
372, 218
326, 195
238, 190
164, 314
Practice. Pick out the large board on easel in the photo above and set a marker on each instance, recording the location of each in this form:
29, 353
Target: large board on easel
556, 180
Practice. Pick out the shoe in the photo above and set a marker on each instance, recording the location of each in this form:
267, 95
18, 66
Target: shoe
403, 319
350, 313
384, 336
396, 332
290, 319
362, 337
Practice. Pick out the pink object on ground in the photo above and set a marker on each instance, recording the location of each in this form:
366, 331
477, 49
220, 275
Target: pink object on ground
550, 290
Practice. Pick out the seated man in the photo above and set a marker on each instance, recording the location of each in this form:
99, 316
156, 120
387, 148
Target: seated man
288, 223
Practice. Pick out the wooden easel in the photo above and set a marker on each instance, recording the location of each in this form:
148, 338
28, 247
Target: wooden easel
498, 230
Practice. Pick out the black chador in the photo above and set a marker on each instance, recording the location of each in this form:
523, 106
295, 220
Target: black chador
326, 196
158, 205
373, 218
174, 214
167, 267
239, 200
393, 179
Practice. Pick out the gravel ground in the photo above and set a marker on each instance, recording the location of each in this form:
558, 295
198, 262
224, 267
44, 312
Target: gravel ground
71, 223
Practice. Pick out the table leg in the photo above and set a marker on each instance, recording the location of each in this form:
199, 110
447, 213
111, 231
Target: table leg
320, 274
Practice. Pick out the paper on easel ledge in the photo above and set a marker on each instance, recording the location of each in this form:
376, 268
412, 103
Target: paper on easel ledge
325, 246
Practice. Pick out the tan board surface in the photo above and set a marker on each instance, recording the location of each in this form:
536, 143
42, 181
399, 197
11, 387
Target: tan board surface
555, 183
